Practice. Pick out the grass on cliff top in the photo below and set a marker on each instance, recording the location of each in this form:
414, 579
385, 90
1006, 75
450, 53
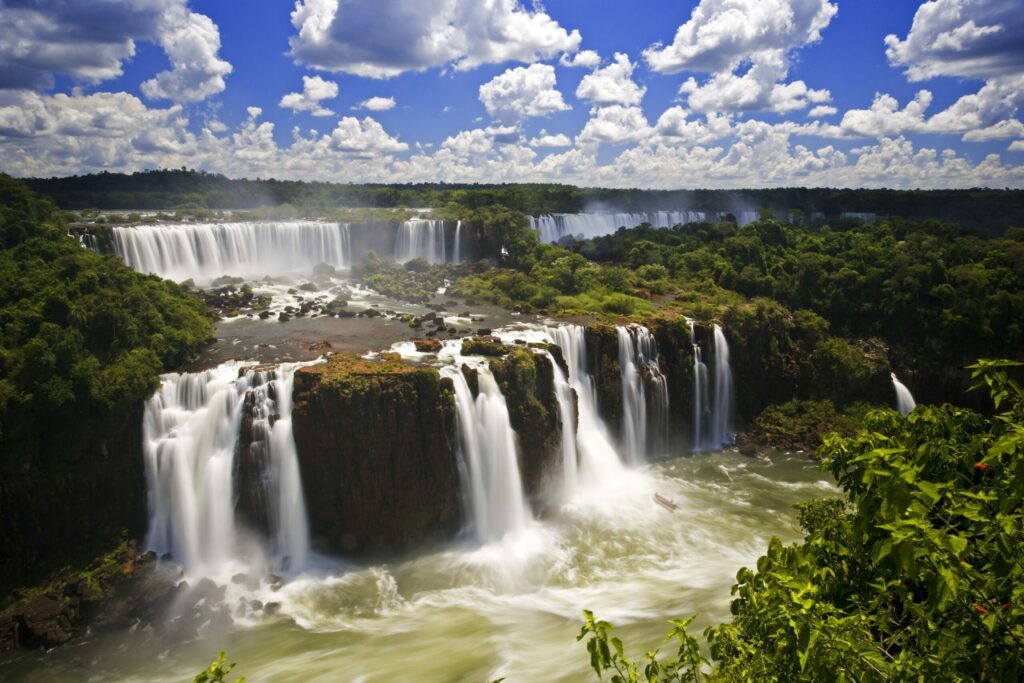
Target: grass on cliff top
344, 368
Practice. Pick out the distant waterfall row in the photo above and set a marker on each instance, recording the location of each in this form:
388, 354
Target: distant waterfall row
712, 393
553, 227
422, 238
206, 251
220, 457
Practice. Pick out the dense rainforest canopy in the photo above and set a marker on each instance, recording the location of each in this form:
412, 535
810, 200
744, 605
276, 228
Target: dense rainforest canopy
987, 209
81, 335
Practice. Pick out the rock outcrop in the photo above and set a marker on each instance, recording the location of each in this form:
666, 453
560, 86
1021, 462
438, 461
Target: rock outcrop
526, 378
376, 444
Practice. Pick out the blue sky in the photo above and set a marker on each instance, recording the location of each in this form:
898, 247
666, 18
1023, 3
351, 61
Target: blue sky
649, 93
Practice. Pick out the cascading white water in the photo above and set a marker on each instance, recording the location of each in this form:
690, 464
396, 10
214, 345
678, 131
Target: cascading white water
700, 390
567, 418
205, 251
457, 248
905, 402
420, 238
643, 433
721, 416
553, 227
190, 441
634, 404
488, 446
599, 462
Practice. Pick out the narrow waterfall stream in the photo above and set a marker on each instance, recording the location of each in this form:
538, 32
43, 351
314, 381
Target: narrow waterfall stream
421, 238
457, 248
488, 446
599, 461
194, 457
644, 414
905, 402
721, 416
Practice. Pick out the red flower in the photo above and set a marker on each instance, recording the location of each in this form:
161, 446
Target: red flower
981, 609
981, 466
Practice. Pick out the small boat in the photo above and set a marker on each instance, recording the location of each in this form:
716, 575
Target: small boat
666, 503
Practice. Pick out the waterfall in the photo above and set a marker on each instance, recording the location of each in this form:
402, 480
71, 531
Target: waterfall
904, 399
488, 446
700, 390
567, 418
457, 249
638, 356
191, 443
712, 393
205, 251
721, 415
420, 238
553, 227
599, 462
634, 405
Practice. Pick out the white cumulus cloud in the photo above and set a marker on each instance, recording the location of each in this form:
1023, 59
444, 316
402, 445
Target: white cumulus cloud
522, 92
314, 91
981, 39
745, 46
614, 124
586, 59
192, 44
384, 38
546, 139
90, 41
377, 104
612, 85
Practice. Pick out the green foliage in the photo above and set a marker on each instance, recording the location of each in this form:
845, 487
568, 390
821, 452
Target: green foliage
218, 671
607, 655
801, 425
916, 574
925, 287
81, 335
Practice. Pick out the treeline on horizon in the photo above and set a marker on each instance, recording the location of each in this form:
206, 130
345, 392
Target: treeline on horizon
991, 210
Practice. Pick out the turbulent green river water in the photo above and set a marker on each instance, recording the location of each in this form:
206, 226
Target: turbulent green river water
511, 609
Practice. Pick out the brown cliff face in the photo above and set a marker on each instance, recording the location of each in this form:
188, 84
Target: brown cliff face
675, 359
69, 496
603, 364
376, 444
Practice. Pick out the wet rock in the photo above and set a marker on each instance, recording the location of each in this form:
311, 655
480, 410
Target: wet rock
271, 608
42, 622
484, 331
376, 444
427, 345
283, 317
483, 346
249, 582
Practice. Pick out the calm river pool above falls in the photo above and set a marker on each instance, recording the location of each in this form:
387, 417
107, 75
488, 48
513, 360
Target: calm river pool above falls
512, 609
